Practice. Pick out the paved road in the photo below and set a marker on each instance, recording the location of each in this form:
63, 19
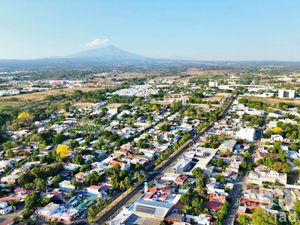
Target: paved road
234, 203
157, 172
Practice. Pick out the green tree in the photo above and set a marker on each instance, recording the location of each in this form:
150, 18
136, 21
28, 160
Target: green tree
73, 144
223, 211
32, 201
295, 216
165, 127
243, 220
260, 217
176, 106
92, 178
78, 160
40, 184
198, 173
294, 146
27, 213
45, 201
127, 182
137, 176
59, 138
247, 155
193, 202
56, 180
92, 212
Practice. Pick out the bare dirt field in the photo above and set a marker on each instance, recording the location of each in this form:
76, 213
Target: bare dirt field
199, 72
213, 98
114, 79
223, 94
273, 101
217, 97
113, 105
30, 98
84, 105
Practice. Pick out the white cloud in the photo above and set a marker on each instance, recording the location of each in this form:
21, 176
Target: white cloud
97, 42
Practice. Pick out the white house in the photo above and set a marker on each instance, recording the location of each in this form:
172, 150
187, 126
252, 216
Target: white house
247, 134
48, 210
228, 145
276, 137
95, 190
182, 165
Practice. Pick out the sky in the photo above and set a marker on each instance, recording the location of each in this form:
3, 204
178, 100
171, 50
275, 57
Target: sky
189, 29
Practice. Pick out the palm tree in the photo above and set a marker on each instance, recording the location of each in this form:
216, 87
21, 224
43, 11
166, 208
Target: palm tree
122, 185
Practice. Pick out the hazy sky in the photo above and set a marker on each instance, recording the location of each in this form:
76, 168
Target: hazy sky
187, 29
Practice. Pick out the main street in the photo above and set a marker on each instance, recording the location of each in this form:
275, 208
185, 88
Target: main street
158, 171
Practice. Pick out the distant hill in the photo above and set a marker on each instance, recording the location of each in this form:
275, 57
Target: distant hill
107, 55
114, 56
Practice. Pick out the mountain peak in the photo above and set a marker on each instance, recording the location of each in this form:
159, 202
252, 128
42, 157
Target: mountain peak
107, 53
